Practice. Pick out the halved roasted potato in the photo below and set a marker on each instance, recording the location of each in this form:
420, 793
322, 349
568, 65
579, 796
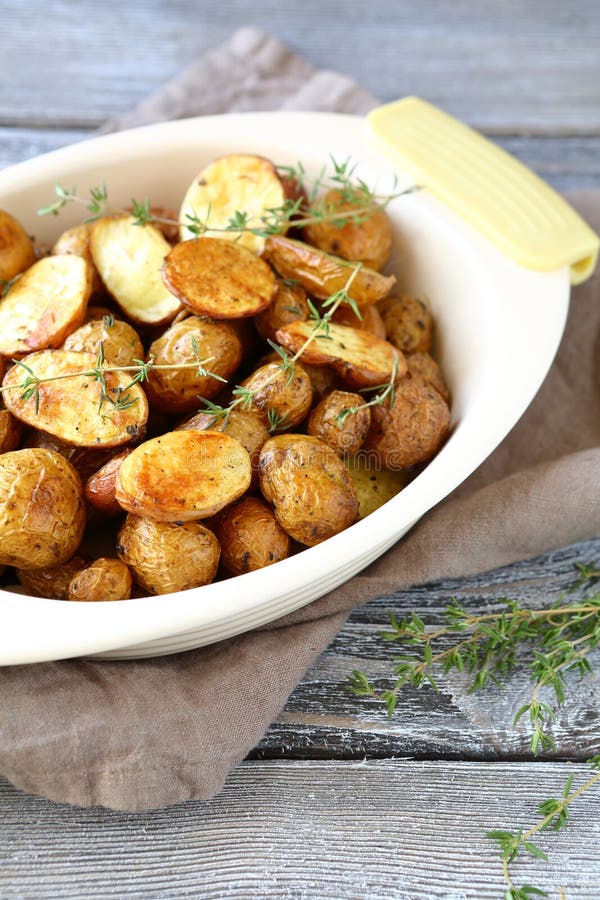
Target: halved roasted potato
238, 183
100, 488
166, 220
70, 406
168, 556
310, 489
285, 397
321, 274
289, 305
370, 319
128, 258
51, 581
16, 247
217, 278
250, 537
183, 475
408, 323
362, 359
46, 304
373, 484
76, 241
103, 579
343, 431
246, 427
120, 343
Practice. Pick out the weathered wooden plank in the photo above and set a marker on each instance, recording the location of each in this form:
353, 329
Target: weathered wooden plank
321, 719
388, 830
525, 67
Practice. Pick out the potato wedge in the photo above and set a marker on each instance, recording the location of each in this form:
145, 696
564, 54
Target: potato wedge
343, 433
408, 323
167, 556
70, 408
120, 343
310, 489
358, 356
233, 184
104, 579
322, 275
250, 537
46, 304
283, 398
16, 247
52, 581
372, 484
42, 514
289, 305
128, 258
76, 241
214, 277
183, 475
100, 488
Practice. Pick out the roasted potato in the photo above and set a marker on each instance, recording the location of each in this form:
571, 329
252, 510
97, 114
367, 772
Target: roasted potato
343, 432
323, 380
411, 429
76, 241
166, 220
310, 489
100, 488
120, 343
46, 304
168, 556
367, 238
72, 408
283, 397
86, 460
359, 357
214, 277
250, 537
233, 184
180, 390
104, 579
52, 581
408, 323
372, 484
425, 366
183, 475
10, 431
289, 305
370, 319
16, 247
42, 514
129, 258
322, 275
246, 427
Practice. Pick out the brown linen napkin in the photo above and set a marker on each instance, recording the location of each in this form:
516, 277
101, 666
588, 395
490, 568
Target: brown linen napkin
137, 735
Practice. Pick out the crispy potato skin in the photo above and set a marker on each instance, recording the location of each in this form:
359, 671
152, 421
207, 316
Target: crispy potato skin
373, 485
310, 489
183, 475
104, 579
321, 274
53, 581
181, 390
165, 556
100, 488
214, 277
10, 431
16, 248
371, 320
323, 380
289, 305
425, 366
290, 399
350, 435
246, 427
42, 514
68, 408
413, 429
76, 241
45, 305
368, 241
120, 342
408, 323
250, 537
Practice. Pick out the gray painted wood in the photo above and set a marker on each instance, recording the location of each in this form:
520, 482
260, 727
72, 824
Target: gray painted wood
383, 830
511, 67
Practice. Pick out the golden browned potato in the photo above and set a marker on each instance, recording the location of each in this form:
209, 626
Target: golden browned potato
104, 579
288, 306
370, 320
16, 247
246, 427
121, 344
76, 241
250, 537
183, 475
166, 220
310, 489
366, 238
283, 397
248, 338
52, 581
99, 312
190, 341
343, 432
214, 277
323, 380
373, 485
408, 323
10, 431
168, 556
72, 408
46, 304
362, 359
86, 460
128, 258
322, 275
42, 514
413, 428
100, 488
235, 183
425, 366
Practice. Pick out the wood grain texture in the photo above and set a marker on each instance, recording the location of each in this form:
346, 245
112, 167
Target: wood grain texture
510, 67
387, 830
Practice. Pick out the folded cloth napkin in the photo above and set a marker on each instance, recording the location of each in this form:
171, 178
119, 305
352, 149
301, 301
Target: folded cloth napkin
137, 735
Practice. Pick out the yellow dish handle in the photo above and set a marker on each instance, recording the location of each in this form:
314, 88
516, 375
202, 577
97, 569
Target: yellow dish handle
488, 187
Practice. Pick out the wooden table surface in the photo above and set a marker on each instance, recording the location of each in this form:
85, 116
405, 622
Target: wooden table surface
336, 801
